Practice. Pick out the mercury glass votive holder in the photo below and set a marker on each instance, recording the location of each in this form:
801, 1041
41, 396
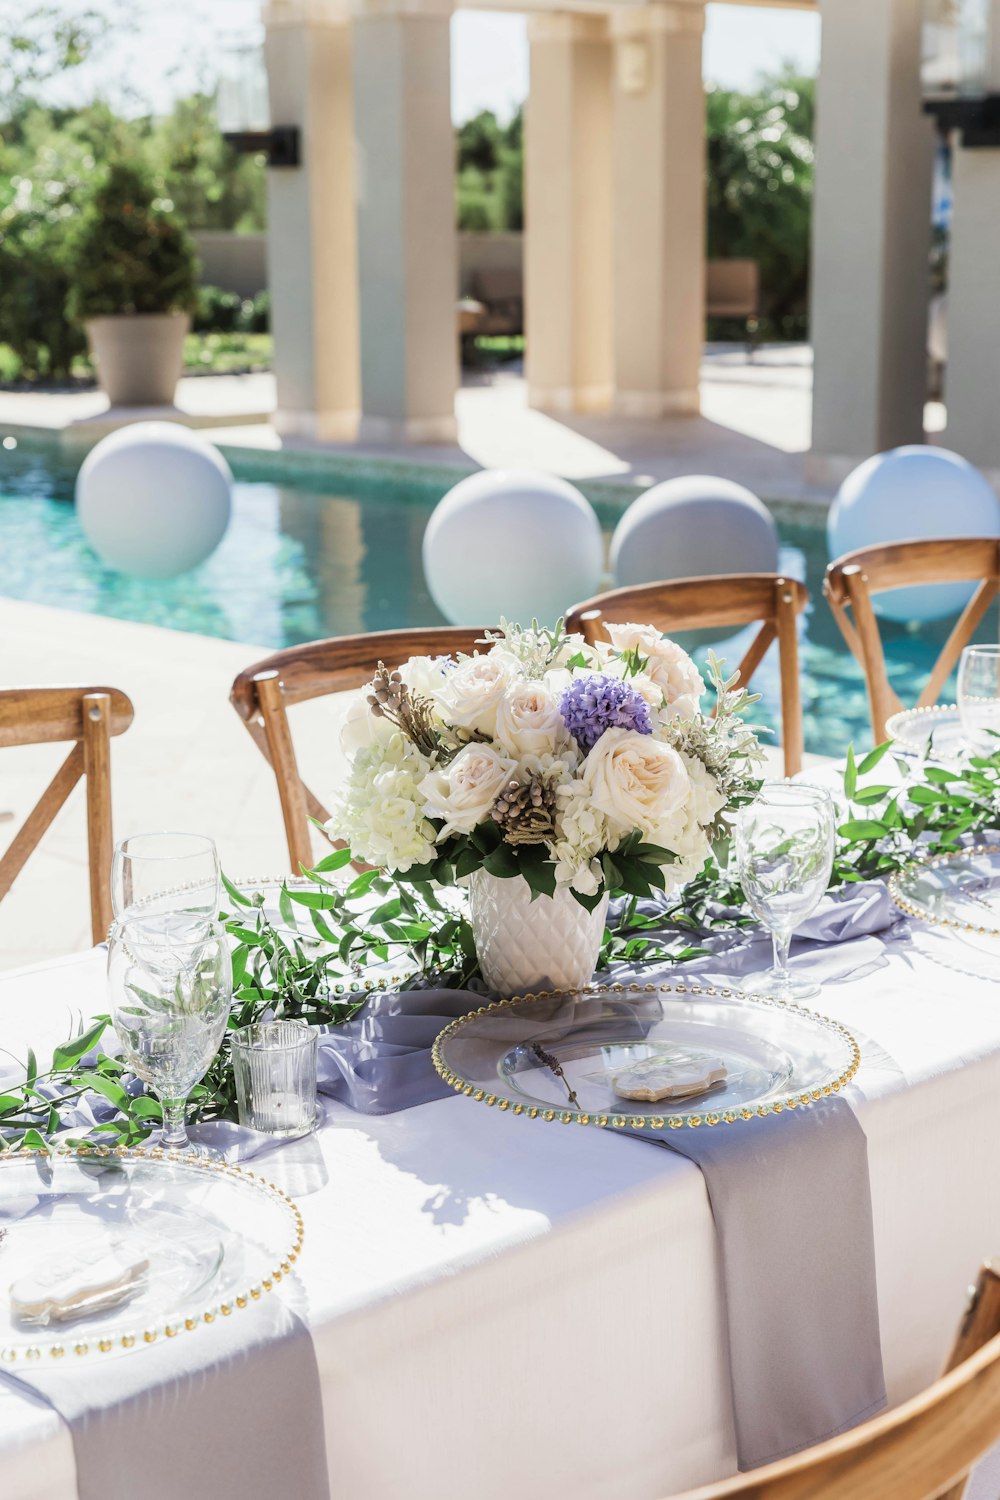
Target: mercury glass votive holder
274, 1063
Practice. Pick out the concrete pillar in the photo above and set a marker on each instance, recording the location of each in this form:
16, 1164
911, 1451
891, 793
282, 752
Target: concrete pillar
568, 213
312, 244
871, 234
407, 252
972, 378
659, 208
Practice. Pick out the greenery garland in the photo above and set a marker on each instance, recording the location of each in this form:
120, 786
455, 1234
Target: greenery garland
375, 923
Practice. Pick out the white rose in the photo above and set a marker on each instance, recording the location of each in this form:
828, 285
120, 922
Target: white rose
636, 781
425, 675
528, 720
463, 791
360, 728
470, 694
668, 665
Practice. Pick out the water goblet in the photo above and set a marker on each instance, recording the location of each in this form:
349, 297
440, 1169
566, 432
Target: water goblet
784, 853
979, 698
170, 882
170, 1003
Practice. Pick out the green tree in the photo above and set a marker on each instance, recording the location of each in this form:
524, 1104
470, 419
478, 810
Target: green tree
211, 186
128, 250
760, 183
488, 183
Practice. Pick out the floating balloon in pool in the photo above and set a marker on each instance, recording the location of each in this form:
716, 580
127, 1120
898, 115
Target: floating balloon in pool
154, 499
514, 543
694, 525
913, 493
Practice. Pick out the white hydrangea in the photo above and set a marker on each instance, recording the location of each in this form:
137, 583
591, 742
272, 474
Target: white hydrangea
379, 810
582, 834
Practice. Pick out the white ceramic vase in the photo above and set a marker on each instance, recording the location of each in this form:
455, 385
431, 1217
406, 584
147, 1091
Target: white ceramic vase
525, 945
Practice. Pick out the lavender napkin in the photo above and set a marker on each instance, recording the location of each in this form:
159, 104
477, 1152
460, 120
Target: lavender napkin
232, 1411
791, 1199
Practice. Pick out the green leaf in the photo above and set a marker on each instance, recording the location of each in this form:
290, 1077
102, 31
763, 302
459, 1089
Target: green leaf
70, 1052
856, 829
359, 887
285, 907
502, 862
873, 757
871, 795
234, 894
850, 774
335, 861
387, 912
320, 900
101, 1085
32, 1068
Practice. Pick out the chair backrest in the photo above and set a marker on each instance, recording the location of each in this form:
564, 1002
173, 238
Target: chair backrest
723, 599
732, 288
923, 1450
89, 717
853, 579
263, 692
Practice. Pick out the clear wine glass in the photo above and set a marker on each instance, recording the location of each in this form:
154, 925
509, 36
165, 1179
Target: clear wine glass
170, 1003
979, 698
169, 882
784, 853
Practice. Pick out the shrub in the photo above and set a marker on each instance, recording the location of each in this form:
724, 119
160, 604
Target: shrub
258, 319
34, 284
128, 251
217, 311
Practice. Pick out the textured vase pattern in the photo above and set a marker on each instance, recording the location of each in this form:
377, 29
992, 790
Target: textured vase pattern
524, 946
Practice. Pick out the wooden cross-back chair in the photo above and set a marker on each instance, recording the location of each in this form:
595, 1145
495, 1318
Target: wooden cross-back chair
262, 693
853, 579
922, 1450
719, 600
89, 717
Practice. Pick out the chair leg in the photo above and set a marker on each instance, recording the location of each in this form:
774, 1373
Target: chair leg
97, 771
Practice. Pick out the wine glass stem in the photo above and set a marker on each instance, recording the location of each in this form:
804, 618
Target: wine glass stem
174, 1132
781, 942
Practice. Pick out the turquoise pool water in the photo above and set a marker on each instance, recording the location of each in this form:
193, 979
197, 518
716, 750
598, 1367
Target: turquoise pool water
315, 556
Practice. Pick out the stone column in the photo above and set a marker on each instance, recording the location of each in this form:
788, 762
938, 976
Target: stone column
659, 208
568, 214
972, 377
311, 237
871, 234
407, 248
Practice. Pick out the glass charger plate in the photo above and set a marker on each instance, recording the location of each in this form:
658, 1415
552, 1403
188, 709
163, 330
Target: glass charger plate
203, 1238
554, 1057
936, 730
960, 891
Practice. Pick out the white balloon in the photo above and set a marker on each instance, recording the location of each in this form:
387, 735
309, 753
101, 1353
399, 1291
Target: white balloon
690, 526
910, 493
154, 499
511, 542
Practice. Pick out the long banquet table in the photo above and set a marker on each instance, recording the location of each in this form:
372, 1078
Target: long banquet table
500, 1305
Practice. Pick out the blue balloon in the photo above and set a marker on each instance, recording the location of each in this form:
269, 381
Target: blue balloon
908, 494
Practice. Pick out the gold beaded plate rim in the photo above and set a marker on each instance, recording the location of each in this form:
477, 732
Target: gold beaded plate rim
900, 725
49, 1347
652, 1120
923, 914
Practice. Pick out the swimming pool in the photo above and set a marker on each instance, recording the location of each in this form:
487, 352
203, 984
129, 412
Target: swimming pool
314, 555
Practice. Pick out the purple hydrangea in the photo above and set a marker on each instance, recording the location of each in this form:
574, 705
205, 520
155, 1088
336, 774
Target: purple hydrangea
590, 705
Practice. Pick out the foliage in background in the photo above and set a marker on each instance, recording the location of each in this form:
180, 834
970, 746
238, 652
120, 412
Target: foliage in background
127, 250
489, 171
760, 186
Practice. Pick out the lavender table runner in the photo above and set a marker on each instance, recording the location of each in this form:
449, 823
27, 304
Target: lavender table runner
232, 1411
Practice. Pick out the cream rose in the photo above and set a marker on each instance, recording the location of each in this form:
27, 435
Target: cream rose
669, 667
529, 722
636, 781
463, 791
470, 694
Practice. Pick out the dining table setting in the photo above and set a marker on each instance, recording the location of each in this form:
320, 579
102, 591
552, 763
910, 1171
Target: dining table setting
597, 1116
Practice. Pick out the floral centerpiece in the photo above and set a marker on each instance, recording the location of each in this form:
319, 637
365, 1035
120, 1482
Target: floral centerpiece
547, 775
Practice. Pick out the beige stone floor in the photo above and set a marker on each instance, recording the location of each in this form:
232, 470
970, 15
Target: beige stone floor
186, 762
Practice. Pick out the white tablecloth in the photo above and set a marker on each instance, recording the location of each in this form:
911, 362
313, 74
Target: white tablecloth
498, 1302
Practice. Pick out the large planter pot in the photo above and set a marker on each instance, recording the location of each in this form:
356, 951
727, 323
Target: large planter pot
139, 356
525, 945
